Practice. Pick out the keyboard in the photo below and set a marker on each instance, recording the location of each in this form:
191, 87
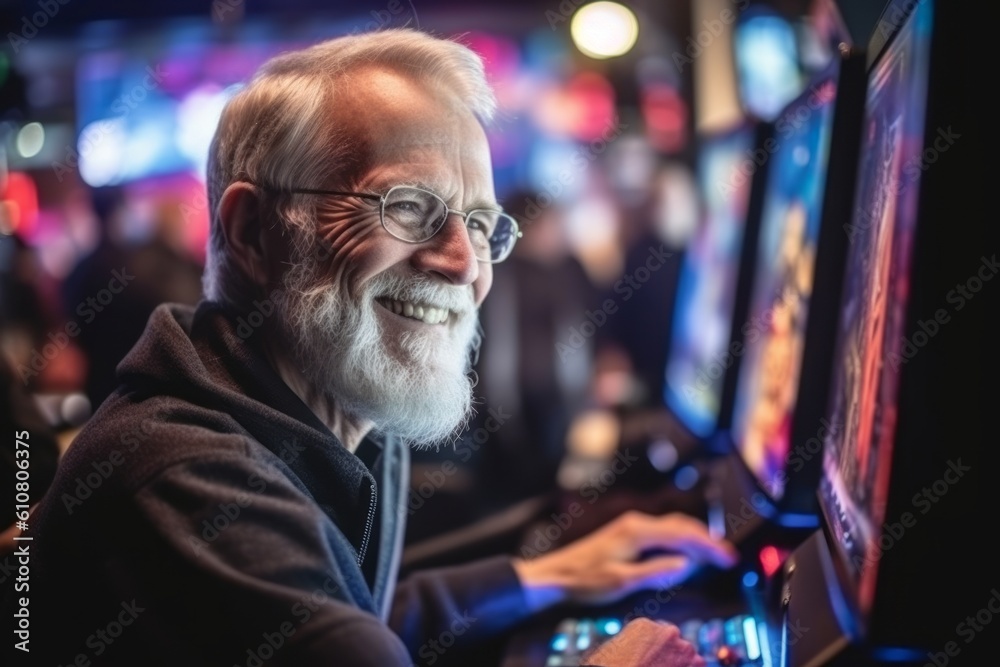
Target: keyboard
723, 642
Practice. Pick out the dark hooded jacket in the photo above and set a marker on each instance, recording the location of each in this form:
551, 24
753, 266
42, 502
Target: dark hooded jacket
205, 516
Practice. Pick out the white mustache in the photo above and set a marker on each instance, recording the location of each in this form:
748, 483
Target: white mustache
422, 290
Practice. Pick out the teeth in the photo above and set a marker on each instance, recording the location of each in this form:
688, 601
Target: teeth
427, 314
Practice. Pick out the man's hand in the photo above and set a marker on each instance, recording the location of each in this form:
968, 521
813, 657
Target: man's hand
644, 642
609, 563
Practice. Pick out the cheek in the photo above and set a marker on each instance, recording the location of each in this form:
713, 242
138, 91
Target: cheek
356, 248
481, 287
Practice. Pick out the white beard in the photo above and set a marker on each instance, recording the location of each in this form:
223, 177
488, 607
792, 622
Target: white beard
416, 386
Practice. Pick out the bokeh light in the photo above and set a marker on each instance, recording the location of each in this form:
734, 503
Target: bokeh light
604, 29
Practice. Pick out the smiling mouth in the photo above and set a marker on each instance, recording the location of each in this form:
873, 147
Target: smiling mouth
422, 312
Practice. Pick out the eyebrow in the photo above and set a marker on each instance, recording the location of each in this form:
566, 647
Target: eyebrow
481, 204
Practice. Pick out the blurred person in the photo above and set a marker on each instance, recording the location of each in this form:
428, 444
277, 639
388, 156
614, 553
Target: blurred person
30, 445
29, 454
33, 438
165, 270
632, 348
240, 497
535, 362
47, 362
111, 292
106, 330
23, 318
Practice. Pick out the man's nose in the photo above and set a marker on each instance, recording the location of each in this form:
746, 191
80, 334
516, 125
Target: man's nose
449, 253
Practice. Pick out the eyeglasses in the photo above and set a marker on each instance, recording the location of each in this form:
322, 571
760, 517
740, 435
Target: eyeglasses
415, 215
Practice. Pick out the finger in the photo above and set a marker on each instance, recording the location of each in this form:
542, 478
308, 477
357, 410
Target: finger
672, 648
659, 572
679, 648
688, 536
640, 642
664, 629
720, 554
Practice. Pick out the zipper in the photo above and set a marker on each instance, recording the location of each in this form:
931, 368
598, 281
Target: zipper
372, 501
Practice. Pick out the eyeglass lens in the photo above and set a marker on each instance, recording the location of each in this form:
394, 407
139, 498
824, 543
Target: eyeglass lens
416, 215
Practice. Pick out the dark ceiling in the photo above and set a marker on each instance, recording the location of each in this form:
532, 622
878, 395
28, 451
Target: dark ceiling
67, 15
75, 12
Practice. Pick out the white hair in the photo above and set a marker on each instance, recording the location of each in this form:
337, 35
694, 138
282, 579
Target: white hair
278, 130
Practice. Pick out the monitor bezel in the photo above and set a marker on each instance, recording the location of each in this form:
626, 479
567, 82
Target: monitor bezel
849, 583
798, 507
939, 545
760, 132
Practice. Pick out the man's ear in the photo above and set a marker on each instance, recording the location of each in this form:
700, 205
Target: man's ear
251, 243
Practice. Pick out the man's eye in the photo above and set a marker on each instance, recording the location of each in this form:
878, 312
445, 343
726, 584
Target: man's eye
482, 224
407, 213
405, 207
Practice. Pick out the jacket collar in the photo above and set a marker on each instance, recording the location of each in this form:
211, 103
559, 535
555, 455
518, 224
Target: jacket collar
198, 355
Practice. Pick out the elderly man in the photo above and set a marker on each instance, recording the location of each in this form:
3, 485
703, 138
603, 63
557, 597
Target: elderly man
239, 500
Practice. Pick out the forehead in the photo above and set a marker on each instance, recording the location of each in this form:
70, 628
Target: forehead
403, 122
